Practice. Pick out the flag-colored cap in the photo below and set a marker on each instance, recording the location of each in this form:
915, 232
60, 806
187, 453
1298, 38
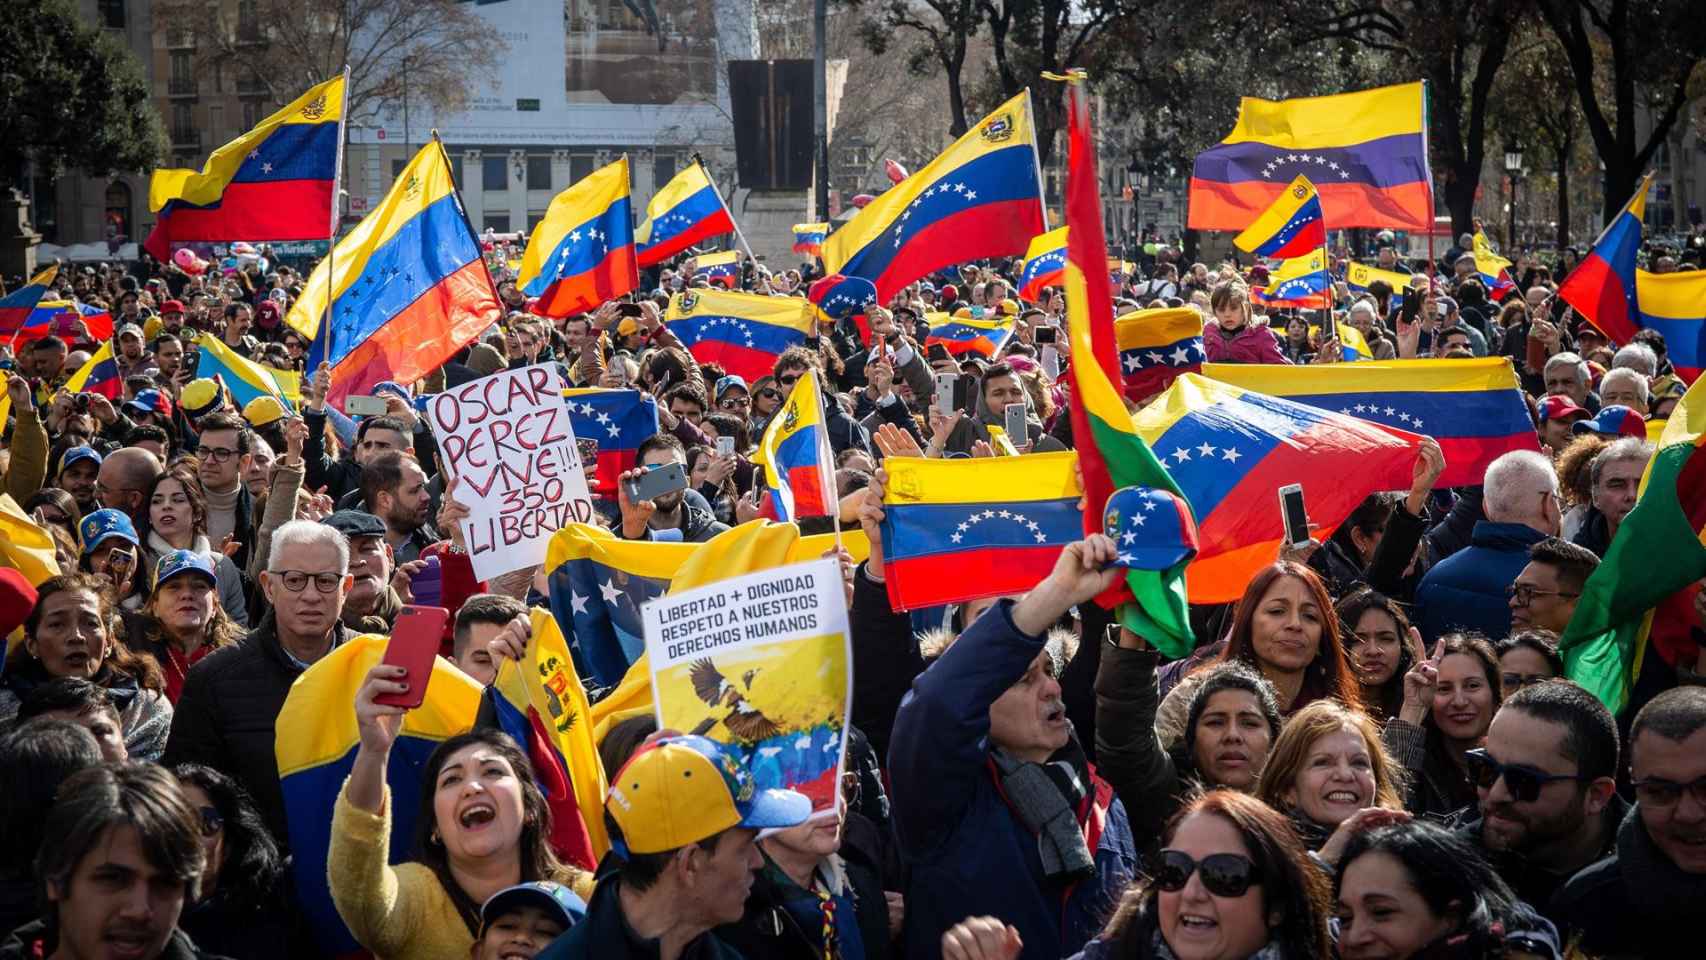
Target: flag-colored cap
103, 525
180, 562
681, 790
1557, 408
1152, 528
264, 410
1614, 421
556, 900
149, 401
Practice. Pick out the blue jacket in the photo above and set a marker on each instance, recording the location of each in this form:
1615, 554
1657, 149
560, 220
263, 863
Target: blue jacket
1466, 591
969, 853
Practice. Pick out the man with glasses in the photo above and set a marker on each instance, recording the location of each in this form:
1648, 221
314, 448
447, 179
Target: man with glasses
1642, 900
1545, 593
225, 717
224, 459
734, 397
1546, 782
1467, 590
844, 431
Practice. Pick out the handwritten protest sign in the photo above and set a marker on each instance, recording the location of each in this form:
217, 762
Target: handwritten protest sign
760, 662
508, 442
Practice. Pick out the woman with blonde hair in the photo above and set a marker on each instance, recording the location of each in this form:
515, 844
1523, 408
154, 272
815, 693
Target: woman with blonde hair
1329, 771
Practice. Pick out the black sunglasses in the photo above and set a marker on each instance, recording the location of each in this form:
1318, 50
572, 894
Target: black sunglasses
211, 821
770, 393
1523, 782
1223, 874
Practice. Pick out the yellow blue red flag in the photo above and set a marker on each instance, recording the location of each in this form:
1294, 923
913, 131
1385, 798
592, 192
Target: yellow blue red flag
799, 466
720, 268
687, 210
582, 253
1674, 304
1494, 269
963, 334
245, 378
1301, 282
1156, 345
16, 307
743, 333
1045, 264
1358, 276
1290, 227
809, 237
982, 197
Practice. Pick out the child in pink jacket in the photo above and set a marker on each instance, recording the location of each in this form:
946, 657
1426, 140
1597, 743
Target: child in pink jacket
1231, 337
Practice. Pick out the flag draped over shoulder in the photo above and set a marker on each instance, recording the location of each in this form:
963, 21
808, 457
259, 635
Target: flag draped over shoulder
1230, 448
1112, 454
1474, 408
1367, 153
1658, 551
799, 466
316, 745
279, 181
982, 197
582, 253
411, 287
743, 333
687, 210
1290, 227
957, 530
1156, 345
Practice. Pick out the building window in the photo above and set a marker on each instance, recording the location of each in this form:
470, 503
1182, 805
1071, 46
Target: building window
252, 115
112, 13
183, 123
663, 169
456, 170
494, 174
538, 172
397, 167
497, 222
183, 79
117, 225
580, 167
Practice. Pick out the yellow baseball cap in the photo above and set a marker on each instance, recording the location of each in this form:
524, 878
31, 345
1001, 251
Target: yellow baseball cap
677, 791
628, 325
264, 410
151, 327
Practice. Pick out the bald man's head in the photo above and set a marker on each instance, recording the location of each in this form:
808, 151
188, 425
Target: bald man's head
125, 477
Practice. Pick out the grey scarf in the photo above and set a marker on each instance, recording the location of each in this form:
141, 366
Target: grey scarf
1046, 797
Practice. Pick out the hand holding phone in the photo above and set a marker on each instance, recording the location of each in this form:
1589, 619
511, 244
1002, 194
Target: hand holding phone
415, 640
1294, 515
656, 482
1014, 423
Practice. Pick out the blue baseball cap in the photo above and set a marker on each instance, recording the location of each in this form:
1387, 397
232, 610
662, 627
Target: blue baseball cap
728, 383
1613, 421
75, 454
179, 562
103, 525
393, 387
678, 791
1152, 527
555, 899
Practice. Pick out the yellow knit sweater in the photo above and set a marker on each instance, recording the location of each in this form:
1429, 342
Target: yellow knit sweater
400, 912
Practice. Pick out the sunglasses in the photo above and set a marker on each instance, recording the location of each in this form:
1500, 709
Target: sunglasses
1523, 782
734, 403
212, 821
788, 380
1223, 874
770, 393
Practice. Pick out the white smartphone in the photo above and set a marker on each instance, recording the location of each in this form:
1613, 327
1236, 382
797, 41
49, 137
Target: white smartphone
1293, 514
359, 406
945, 393
1014, 421
725, 446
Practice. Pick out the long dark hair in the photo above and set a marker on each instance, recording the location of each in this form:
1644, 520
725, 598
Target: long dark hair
1476, 646
119, 658
253, 864
186, 478
1389, 697
1452, 876
538, 860
1329, 674
1291, 883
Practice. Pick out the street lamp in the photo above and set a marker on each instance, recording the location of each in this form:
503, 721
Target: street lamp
1513, 169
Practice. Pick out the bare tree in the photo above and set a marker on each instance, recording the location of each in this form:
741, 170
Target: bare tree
942, 29
282, 47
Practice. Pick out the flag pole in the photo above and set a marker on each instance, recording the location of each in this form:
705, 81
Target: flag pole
1036, 157
739, 237
332, 240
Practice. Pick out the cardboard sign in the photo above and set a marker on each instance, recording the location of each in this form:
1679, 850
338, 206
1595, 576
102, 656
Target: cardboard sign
507, 440
760, 662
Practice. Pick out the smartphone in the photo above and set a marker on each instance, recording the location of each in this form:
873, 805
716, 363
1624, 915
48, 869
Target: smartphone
1294, 515
725, 446
1014, 422
937, 352
588, 450
415, 640
657, 481
629, 310
945, 383
119, 562
1046, 335
360, 406
1410, 306
426, 585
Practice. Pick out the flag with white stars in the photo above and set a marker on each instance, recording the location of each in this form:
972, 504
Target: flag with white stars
1366, 152
597, 584
1229, 449
617, 421
743, 333
721, 268
1045, 262
1290, 227
582, 253
1300, 282
1474, 408
688, 210
838, 296
1156, 345
960, 334
981, 197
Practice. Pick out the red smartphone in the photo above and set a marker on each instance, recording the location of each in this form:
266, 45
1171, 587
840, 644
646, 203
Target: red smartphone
414, 642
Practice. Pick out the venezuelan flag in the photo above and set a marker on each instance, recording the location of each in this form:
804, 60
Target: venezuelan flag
1367, 152
838, 295
541, 703
99, 375
1111, 454
687, 210
24, 545
957, 530
721, 268
809, 237
1045, 264
279, 181
16, 307
245, 378
982, 197
1353, 346
411, 287
618, 420
48, 316
1358, 276
1156, 345
1674, 304
964, 335
316, 746
799, 466
1603, 285
1474, 408
582, 253
1493, 269
1291, 226
1119, 270
1302, 283
1230, 448
744, 333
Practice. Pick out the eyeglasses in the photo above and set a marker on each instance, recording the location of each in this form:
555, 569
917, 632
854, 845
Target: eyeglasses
1516, 681
788, 379
1524, 593
735, 403
1524, 782
296, 580
216, 454
1659, 793
1223, 874
770, 393
850, 788
212, 821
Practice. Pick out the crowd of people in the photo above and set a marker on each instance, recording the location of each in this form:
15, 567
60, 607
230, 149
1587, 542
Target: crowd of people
1372, 754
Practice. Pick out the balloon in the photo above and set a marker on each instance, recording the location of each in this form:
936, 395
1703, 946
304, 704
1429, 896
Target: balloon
185, 259
859, 200
242, 249
896, 172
